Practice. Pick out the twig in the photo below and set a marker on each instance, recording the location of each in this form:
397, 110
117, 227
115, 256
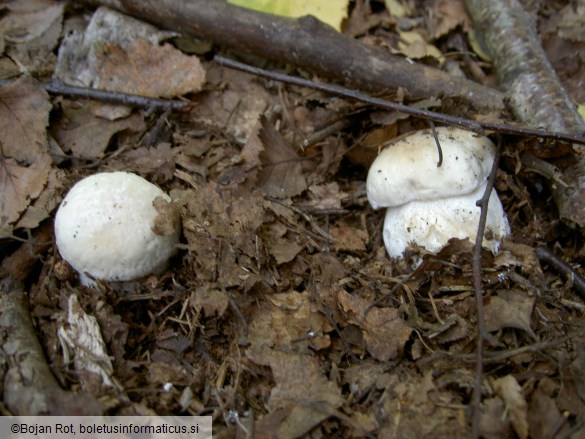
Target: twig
544, 254
439, 149
321, 234
473, 125
543, 167
57, 87
490, 357
482, 332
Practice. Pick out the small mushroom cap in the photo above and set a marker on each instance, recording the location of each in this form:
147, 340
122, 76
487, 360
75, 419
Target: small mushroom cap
407, 170
430, 224
104, 228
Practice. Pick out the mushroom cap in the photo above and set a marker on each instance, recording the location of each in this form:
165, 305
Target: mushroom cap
430, 224
104, 228
407, 170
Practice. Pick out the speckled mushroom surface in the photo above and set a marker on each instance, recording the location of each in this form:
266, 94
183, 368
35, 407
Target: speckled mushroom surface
430, 204
104, 228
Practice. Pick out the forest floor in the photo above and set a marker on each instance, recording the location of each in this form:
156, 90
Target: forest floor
281, 315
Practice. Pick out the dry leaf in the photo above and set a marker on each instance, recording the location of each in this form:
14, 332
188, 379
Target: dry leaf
18, 187
350, 237
385, 333
147, 70
120, 53
509, 309
31, 30
544, 417
510, 391
212, 302
81, 339
287, 321
47, 201
282, 172
87, 136
447, 15
302, 391
24, 116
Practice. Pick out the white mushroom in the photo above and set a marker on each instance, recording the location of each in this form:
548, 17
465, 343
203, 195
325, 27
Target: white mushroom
104, 228
429, 204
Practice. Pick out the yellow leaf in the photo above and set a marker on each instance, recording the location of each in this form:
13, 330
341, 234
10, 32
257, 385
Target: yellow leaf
397, 9
581, 110
477, 47
331, 12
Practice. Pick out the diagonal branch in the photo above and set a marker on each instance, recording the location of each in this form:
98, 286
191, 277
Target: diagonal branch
308, 43
336, 90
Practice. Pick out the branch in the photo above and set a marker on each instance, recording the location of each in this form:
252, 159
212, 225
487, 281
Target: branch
336, 90
310, 44
544, 254
536, 95
482, 331
57, 87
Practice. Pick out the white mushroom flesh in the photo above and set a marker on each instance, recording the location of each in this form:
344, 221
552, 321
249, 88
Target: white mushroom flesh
104, 228
430, 224
430, 204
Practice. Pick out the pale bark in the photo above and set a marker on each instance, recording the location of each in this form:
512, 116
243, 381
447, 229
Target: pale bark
535, 93
28, 386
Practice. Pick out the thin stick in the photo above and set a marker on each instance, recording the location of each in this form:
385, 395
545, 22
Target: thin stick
477, 126
544, 254
57, 87
439, 149
482, 332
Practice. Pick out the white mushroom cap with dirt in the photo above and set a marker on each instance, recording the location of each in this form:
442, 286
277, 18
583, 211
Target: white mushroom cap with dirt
428, 202
114, 226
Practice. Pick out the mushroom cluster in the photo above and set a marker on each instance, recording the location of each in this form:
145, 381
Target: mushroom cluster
430, 201
104, 228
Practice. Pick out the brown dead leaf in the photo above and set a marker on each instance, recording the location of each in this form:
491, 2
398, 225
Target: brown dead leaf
282, 172
447, 15
572, 22
24, 116
349, 236
29, 20
87, 136
147, 69
324, 197
120, 53
283, 250
289, 321
160, 373
544, 415
212, 302
385, 333
158, 162
514, 254
362, 376
31, 30
510, 391
301, 390
493, 423
509, 309
19, 185
47, 201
